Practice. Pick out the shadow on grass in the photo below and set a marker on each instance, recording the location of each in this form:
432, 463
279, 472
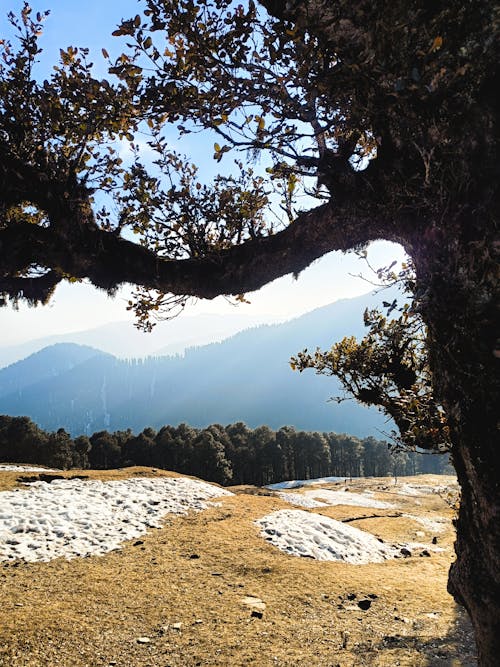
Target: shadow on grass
455, 649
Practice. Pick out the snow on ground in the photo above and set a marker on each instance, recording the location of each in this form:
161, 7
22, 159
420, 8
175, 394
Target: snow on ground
72, 518
76, 518
346, 498
7, 467
300, 533
327, 498
432, 525
422, 489
297, 483
300, 500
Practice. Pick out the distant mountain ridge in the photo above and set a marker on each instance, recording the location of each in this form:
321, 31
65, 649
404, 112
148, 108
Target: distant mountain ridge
244, 378
123, 340
41, 366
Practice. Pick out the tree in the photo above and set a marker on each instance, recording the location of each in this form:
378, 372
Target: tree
262, 443
376, 458
163, 451
182, 449
345, 454
105, 451
386, 112
59, 450
209, 458
22, 441
389, 368
139, 449
240, 452
285, 438
82, 448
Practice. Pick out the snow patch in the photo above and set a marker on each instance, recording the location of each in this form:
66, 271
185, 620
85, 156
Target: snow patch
74, 518
301, 500
422, 489
432, 525
301, 533
297, 483
4, 467
346, 498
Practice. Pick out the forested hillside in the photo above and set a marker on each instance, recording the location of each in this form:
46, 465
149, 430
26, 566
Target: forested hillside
246, 377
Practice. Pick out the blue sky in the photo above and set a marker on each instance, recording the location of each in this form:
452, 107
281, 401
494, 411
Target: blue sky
76, 307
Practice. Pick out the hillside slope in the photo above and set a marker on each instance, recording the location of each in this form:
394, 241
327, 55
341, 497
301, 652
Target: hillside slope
244, 378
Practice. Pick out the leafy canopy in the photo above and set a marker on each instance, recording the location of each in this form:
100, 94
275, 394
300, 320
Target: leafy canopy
389, 369
356, 105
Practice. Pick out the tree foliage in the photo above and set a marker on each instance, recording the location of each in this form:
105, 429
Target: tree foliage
389, 368
345, 115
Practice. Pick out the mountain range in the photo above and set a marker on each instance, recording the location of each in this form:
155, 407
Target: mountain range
244, 378
123, 340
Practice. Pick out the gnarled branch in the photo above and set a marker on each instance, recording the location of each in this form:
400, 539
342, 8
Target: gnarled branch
108, 260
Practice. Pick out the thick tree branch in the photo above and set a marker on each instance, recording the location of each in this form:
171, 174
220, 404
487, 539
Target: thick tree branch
108, 261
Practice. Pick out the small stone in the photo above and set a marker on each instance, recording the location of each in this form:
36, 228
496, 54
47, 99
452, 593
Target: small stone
19, 604
137, 543
176, 626
405, 552
253, 601
143, 640
434, 540
351, 596
256, 605
198, 621
194, 556
216, 574
364, 604
425, 553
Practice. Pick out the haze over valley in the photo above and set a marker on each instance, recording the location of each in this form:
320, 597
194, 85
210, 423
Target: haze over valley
246, 377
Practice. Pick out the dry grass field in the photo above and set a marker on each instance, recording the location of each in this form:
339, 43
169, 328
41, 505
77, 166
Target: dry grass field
176, 596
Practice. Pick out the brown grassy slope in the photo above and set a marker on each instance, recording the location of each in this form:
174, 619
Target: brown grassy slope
196, 571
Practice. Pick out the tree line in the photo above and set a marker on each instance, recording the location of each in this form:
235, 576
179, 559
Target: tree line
233, 454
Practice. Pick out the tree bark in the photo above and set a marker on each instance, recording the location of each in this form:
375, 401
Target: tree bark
474, 579
458, 291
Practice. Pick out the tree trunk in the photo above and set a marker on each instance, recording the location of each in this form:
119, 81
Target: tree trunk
474, 579
457, 284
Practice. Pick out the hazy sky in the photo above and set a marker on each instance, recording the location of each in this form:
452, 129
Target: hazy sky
76, 307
